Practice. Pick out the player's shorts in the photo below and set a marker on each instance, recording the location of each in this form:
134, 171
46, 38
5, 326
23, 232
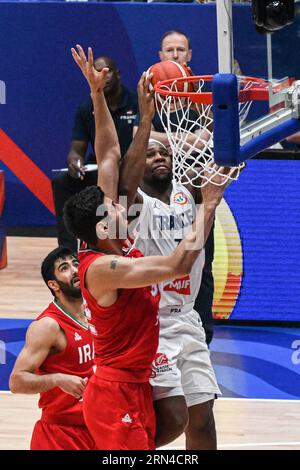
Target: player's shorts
182, 363
120, 415
47, 436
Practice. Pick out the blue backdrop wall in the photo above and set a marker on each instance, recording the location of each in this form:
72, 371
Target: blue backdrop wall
44, 87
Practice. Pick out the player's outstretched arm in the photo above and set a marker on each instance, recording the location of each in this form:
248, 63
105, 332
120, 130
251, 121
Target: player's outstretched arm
107, 146
116, 272
41, 339
110, 273
133, 165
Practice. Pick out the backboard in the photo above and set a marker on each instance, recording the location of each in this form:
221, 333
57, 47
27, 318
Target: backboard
271, 119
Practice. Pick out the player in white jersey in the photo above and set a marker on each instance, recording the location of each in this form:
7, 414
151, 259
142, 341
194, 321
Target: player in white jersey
161, 227
184, 384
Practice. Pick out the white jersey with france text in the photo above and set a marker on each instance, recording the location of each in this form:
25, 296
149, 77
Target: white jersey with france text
159, 230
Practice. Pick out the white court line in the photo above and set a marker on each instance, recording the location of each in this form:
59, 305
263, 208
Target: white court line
259, 444
279, 400
246, 444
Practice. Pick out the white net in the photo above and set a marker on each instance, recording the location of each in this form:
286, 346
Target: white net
189, 127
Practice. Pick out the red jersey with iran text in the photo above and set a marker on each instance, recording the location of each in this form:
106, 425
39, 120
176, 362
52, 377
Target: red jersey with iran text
126, 333
75, 359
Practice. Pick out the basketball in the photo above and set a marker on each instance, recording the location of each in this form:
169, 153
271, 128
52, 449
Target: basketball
169, 69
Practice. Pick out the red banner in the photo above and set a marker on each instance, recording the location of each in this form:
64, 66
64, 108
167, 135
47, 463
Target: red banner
24, 168
3, 250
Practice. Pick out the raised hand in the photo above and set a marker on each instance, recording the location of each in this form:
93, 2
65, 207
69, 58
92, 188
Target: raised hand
146, 100
95, 79
213, 191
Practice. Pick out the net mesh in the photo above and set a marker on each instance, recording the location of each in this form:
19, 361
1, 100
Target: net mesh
189, 127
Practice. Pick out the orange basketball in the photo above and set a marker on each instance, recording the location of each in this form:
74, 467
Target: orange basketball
169, 69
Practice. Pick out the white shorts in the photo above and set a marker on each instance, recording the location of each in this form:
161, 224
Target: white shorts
182, 363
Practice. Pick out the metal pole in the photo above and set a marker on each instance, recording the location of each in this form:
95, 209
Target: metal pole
270, 69
225, 38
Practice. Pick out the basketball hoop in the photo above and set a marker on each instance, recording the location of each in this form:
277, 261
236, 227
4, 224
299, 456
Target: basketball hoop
188, 122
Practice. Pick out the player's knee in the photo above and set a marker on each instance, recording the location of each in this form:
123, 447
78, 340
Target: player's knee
205, 425
171, 423
178, 421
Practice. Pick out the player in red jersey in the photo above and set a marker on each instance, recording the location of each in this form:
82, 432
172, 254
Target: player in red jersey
57, 359
120, 292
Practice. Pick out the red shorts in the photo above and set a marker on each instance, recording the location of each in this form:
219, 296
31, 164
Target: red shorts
120, 415
47, 436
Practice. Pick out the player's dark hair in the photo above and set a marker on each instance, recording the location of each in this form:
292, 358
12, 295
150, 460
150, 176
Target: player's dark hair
47, 268
80, 214
168, 33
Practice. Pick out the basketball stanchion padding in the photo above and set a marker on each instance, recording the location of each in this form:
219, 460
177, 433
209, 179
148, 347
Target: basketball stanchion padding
188, 122
3, 247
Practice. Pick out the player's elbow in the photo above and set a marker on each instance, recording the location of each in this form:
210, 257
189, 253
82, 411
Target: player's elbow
116, 153
14, 383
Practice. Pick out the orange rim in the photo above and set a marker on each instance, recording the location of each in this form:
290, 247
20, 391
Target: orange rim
259, 92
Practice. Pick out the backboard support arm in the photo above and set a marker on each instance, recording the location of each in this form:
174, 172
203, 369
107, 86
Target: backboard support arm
225, 36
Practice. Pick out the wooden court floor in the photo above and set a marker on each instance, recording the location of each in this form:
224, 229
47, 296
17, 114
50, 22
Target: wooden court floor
23, 293
241, 424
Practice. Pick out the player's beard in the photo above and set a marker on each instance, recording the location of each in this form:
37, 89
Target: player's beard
161, 182
69, 290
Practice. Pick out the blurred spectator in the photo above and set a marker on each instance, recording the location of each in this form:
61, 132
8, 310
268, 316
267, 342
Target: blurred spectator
176, 46
122, 104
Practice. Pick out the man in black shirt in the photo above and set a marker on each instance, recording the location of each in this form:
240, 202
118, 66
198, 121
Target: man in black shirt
122, 104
